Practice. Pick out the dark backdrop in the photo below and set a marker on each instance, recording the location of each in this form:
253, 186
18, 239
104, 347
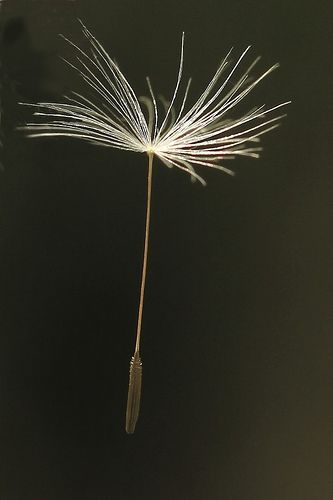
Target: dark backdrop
237, 331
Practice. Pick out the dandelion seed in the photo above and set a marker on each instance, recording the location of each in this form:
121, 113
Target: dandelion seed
134, 393
199, 135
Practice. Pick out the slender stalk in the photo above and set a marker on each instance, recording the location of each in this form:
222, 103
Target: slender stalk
145, 252
134, 388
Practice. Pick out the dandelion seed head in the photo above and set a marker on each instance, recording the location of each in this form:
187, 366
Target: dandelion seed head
202, 134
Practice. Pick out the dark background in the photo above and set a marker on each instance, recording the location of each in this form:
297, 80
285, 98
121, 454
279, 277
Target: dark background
237, 332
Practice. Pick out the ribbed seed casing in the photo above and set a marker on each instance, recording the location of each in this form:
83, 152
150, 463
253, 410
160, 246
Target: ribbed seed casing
134, 393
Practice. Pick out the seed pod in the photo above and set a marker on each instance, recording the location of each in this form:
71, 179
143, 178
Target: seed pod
134, 393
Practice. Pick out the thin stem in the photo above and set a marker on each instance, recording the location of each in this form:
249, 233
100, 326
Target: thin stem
145, 252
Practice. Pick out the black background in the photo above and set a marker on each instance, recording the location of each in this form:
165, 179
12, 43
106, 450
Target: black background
237, 332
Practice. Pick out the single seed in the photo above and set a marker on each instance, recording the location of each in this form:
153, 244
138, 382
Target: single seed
134, 393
